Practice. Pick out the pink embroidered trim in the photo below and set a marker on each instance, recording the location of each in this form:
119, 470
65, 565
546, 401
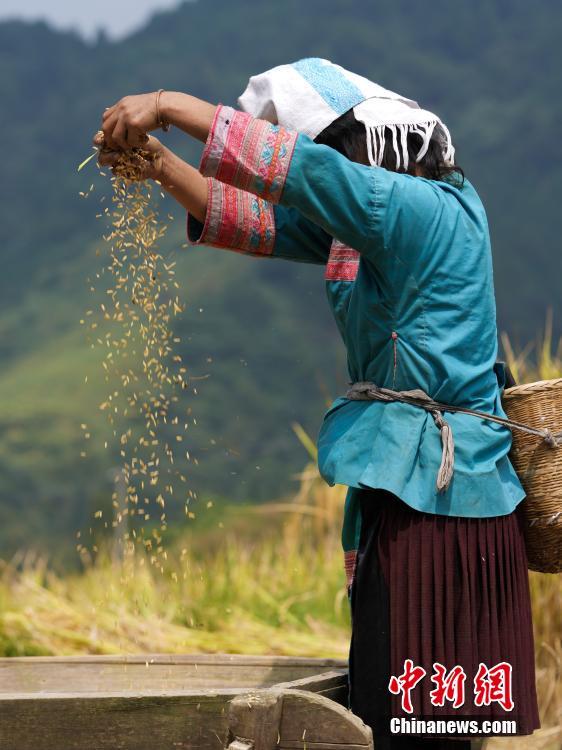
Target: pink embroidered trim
343, 263
350, 558
211, 156
248, 153
237, 220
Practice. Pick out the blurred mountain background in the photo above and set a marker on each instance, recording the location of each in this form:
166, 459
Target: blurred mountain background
259, 329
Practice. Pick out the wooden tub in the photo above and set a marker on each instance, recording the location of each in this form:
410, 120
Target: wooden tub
161, 702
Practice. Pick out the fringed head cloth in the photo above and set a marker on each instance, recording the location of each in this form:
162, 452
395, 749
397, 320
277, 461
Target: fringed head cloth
308, 95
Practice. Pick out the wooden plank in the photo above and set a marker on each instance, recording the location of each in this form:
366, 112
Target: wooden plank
308, 722
312, 721
119, 677
178, 702
215, 658
139, 722
254, 720
151, 672
333, 685
131, 722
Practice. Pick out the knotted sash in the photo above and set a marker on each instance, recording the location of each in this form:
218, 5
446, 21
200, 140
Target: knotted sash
367, 391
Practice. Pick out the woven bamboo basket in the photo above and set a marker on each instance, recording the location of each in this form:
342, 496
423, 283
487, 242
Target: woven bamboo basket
539, 468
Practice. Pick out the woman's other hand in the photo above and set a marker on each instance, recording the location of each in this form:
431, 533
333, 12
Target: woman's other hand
149, 168
126, 123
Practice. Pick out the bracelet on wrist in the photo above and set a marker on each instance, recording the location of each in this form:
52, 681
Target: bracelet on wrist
161, 123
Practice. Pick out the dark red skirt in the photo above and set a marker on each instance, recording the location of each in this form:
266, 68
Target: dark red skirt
447, 591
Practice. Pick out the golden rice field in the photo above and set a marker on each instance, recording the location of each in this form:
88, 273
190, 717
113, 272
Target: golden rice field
258, 579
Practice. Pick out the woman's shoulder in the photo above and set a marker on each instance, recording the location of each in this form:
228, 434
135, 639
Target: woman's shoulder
460, 194
452, 194
455, 183
408, 209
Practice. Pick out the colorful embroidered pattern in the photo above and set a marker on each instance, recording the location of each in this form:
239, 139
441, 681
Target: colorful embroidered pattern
332, 85
248, 153
343, 263
237, 220
350, 559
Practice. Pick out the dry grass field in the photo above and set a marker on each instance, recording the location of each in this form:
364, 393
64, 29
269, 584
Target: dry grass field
260, 579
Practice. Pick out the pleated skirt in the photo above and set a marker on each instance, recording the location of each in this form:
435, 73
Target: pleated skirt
443, 590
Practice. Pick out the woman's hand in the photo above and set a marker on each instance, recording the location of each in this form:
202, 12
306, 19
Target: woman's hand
132, 164
126, 123
133, 117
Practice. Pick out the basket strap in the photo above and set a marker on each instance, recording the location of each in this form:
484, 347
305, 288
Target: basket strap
368, 391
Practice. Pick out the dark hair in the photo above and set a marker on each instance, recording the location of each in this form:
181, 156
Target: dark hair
348, 136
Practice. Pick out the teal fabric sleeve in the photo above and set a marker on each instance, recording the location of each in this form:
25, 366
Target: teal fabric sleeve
297, 238
368, 208
333, 192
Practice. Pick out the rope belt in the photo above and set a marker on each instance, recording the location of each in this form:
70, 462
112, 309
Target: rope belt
367, 391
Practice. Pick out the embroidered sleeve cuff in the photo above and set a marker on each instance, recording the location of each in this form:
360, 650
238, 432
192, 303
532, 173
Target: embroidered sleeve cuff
235, 220
248, 153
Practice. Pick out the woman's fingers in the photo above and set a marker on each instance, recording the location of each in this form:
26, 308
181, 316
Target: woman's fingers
126, 124
152, 144
108, 158
137, 138
135, 165
108, 127
108, 111
142, 140
119, 135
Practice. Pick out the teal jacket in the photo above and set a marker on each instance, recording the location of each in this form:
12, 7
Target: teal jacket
408, 270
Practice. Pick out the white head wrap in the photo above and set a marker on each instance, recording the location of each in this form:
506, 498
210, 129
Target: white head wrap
308, 95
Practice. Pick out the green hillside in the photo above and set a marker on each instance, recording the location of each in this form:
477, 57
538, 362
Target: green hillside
263, 335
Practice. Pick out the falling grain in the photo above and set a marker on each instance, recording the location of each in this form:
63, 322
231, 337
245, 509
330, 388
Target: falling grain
140, 304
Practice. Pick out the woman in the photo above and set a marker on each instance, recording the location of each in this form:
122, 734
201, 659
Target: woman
323, 166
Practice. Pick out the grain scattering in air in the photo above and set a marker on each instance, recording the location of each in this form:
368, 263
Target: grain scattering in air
132, 328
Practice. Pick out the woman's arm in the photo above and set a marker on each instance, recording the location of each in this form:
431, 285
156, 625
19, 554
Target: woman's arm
188, 113
340, 196
127, 122
185, 183
367, 208
255, 156
224, 216
243, 222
